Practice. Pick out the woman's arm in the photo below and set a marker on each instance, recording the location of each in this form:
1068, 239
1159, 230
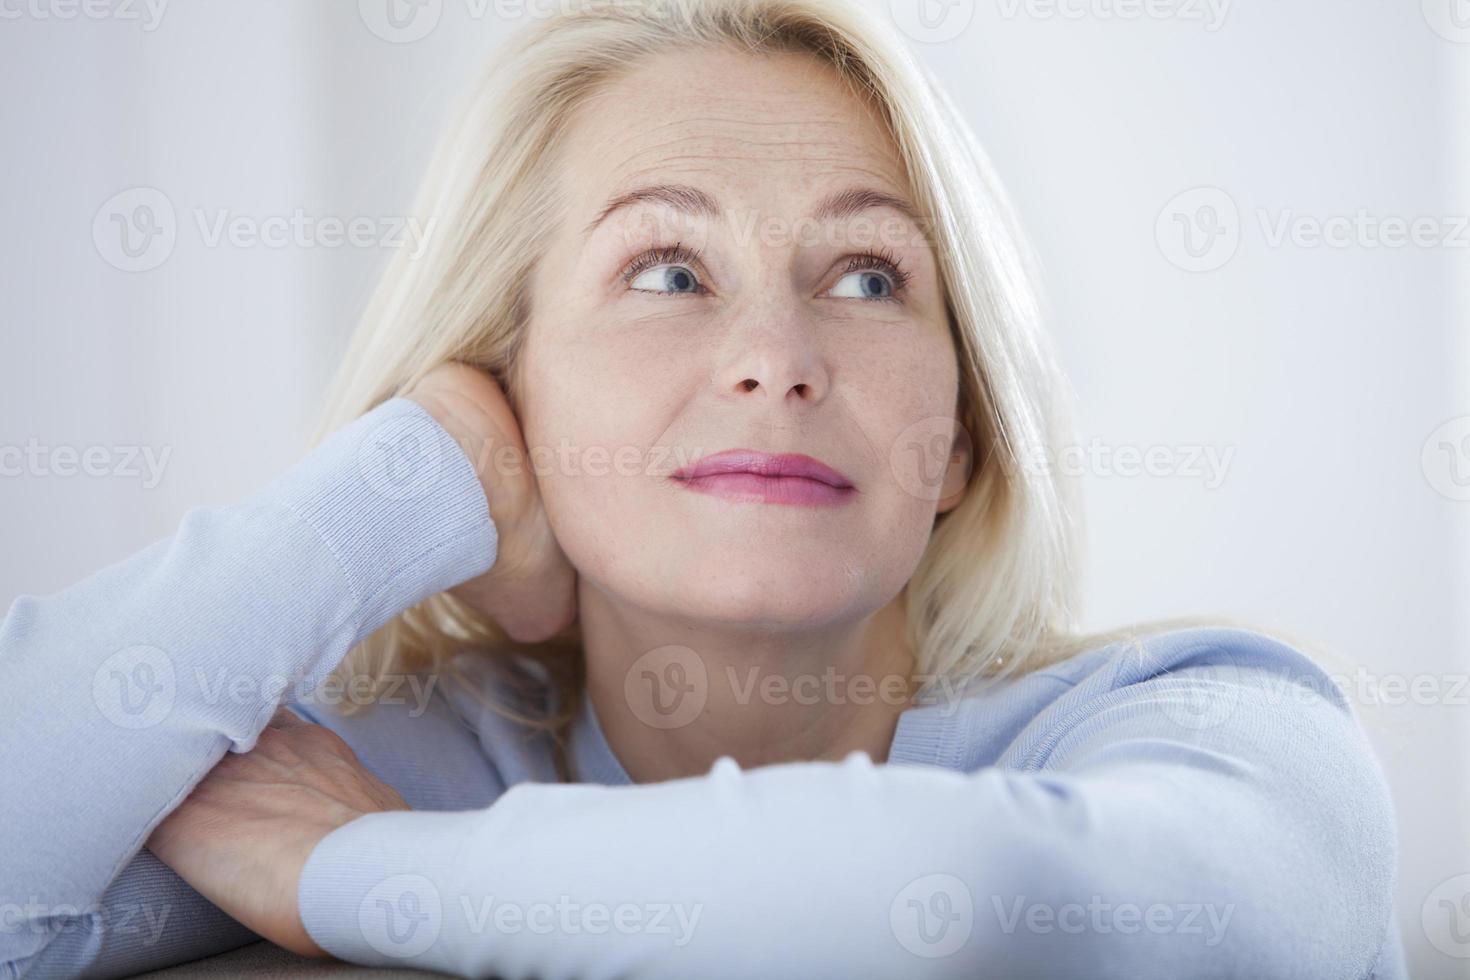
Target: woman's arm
119, 694
150, 918
1146, 831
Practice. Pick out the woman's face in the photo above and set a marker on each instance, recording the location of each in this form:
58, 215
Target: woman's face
662, 333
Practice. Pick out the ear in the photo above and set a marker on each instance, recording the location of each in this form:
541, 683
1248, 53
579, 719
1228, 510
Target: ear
957, 471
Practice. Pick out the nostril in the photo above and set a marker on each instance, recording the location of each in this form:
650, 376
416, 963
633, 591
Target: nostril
750, 384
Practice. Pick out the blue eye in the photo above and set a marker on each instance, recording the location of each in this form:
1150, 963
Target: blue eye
863, 285
667, 271
872, 276
665, 279
664, 270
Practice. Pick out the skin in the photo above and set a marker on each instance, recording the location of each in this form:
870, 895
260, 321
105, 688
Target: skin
769, 359
780, 347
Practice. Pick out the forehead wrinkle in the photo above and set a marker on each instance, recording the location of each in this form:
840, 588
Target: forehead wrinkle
800, 132
845, 203
657, 174
724, 148
744, 120
636, 169
805, 148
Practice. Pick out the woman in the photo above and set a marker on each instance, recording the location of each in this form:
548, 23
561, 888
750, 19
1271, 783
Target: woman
661, 455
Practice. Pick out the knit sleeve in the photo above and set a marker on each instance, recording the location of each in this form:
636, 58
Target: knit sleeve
1223, 817
121, 692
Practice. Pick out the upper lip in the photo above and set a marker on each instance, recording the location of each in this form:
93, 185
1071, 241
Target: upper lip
764, 464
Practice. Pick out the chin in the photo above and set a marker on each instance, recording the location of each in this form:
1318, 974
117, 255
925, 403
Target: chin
773, 592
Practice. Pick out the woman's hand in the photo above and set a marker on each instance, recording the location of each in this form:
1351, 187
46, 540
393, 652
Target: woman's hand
531, 591
242, 837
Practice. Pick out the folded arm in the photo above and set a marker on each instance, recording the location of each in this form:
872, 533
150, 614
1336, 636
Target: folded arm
1145, 833
120, 693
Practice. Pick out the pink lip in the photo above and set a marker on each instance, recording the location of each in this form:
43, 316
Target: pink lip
785, 479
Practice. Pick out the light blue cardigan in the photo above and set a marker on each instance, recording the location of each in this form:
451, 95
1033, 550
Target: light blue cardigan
1200, 804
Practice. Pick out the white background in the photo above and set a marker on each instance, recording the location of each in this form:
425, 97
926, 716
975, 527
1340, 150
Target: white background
1322, 370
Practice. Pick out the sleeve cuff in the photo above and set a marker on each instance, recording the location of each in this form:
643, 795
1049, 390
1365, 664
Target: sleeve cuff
399, 505
371, 891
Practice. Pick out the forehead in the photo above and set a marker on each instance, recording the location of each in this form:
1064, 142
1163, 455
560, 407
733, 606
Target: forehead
777, 124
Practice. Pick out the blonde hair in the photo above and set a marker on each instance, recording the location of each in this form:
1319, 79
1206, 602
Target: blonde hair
995, 593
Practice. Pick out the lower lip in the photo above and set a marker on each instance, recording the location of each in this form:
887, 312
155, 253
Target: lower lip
752, 487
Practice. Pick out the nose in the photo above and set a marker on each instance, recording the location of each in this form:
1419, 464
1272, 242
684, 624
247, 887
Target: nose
780, 363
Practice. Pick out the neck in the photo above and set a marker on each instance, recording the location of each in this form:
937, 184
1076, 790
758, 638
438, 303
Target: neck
672, 696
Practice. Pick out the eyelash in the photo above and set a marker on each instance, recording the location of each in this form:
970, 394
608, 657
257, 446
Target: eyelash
886, 262
881, 260
663, 255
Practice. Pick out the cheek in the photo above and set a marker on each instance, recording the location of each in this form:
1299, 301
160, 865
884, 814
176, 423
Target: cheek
608, 421
909, 418
597, 426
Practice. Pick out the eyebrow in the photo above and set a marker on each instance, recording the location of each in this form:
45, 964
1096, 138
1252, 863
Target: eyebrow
691, 200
